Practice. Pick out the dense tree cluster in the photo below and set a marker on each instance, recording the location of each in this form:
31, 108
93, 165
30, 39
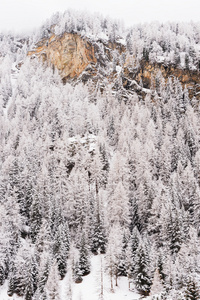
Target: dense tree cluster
168, 43
86, 24
86, 172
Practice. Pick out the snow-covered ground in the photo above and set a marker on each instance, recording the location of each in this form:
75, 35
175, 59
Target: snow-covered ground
90, 288
88, 141
4, 295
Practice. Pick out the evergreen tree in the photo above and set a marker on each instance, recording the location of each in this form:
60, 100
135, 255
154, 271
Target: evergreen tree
84, 263
134, 242
98, 238
160, 264
142, 277
97, 234
35, 219
192, 290
23, 279
52, 285
43, 273
30, 284
61, 248
77, 273
157, 286
122, 257
174, 231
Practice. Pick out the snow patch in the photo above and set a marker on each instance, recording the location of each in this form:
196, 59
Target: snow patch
160, 59
4, 295
118, 69
88, 141
90, 288
122, 41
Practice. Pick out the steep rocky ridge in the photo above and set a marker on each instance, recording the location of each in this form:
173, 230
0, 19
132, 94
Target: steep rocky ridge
148, 72
82, 58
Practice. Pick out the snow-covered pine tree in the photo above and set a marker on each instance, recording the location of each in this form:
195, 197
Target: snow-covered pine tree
43, 273
61, 248
192, 290
122, 257
98, 239
157, 286
52, 285
77, 273
97, 232
141, 271
84, 260
134, 242
35, 218
23, 279
44, 241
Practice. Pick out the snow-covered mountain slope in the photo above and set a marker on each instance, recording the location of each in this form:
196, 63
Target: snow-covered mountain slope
91, 48
100, 153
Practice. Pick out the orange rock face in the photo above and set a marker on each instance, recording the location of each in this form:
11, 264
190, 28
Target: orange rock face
148, 72
69, 53
185, 76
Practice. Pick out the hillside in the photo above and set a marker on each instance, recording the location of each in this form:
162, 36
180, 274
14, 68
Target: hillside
100, 158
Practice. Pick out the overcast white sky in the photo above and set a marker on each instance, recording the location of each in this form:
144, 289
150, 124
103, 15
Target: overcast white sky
23, 15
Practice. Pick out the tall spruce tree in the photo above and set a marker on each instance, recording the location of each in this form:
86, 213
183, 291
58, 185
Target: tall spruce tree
141, 272
84, 260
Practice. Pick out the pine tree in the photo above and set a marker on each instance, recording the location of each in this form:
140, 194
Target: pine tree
133, 213
2, 274
5, 245
43, 273
157, 286
44, 241
52, 285
192, 290
134, 242
97, 232
77, 273
23, 279
122, 257
61, 248
84, 263
160, 264
118, 210
98, 238
35, 219
142, 278
174, 231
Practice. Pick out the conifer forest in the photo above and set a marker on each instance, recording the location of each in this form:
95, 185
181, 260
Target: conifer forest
102, 164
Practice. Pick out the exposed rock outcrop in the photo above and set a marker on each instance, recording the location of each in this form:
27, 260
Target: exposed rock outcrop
77, 57
69, 53
149, 71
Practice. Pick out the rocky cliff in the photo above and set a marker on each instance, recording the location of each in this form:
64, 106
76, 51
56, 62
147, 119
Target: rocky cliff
69, 53
81, 58
149, 72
